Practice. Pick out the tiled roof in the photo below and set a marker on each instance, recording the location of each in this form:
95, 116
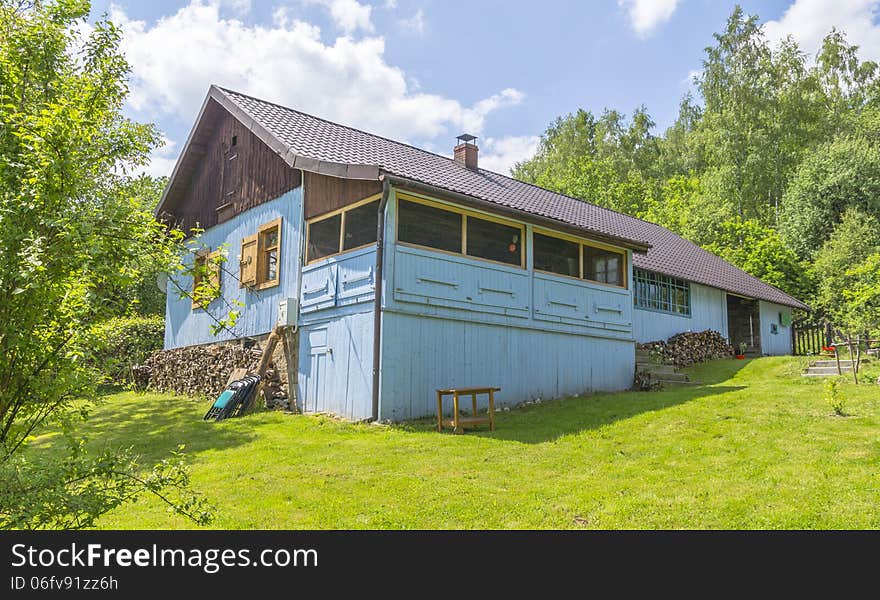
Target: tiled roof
318, 139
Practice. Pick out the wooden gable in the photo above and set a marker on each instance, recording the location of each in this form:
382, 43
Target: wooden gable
230, 171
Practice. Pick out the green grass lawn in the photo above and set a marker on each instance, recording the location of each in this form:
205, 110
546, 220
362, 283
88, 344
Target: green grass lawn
755, 446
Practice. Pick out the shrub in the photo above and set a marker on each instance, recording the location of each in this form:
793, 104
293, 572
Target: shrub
834, 398
123, 342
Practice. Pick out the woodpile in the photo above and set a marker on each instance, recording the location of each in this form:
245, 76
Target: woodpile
205, 370
688, 348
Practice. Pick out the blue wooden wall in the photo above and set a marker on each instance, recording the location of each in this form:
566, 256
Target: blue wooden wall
708, 311
187, 326
457, 321
336, 334
778, 343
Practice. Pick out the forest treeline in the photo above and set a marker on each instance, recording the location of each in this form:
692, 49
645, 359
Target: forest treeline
773, 163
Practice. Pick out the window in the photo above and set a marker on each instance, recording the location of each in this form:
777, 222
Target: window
360, 226
206, 278
269, 247
556, 255
459, 232
494, 241
260, 262
576, 259
603, 266
343, 230
428, 226
663, 293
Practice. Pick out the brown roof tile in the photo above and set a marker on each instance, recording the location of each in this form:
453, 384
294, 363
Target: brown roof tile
315, 138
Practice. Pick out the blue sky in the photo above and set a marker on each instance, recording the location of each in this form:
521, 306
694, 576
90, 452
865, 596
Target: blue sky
423, 71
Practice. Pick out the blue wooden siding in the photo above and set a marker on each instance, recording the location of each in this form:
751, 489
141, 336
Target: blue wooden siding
457, 321
708, 311
186, 326
778, 343
421, 354
336, 334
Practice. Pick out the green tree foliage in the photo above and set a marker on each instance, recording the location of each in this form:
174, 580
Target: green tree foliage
840, 175
120, 343
760, 164
862, 297
68, 230
855, 239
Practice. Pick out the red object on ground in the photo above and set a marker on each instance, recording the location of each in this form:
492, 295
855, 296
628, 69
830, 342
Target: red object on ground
740, 356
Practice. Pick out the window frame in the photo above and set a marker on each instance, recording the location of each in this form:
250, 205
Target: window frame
649, 279
581, 242
260, 282
205, 256
328, 215
465, 213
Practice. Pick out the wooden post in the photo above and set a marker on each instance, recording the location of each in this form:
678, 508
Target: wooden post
491, 410
837, 357
266, 357
474, 402
456, 427
439, 411
852, 360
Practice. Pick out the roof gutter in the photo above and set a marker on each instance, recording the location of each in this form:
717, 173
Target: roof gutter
377, 309
479, 203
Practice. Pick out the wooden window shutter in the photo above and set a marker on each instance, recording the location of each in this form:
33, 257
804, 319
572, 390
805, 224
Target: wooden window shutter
248, 261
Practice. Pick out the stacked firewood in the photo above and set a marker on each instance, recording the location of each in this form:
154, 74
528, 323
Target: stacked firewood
205, 370
690, 347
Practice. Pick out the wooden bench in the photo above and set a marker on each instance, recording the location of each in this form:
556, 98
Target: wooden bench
457, 422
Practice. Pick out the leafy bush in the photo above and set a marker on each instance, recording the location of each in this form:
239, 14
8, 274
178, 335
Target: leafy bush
835, 398
121, 343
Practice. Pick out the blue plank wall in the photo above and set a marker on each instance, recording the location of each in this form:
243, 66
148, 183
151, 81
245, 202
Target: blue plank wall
336, 334
455, 321
708, 311
186, 326
778, 343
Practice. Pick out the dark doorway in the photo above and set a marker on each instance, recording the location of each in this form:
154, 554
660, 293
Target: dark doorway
744, 324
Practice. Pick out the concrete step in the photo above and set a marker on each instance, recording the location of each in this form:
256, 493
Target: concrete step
667, 377
667, 382
830, 363
828, 370
654, 367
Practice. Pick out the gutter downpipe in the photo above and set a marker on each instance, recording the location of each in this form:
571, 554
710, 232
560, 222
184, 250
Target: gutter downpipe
377, 311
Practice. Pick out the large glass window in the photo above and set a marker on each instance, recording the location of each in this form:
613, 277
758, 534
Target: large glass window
360, 226
324, 237
429, 226
556, 255
663, 293
603, 266
494, 241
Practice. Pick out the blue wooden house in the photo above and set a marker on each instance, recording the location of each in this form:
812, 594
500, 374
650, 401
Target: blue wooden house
398, 271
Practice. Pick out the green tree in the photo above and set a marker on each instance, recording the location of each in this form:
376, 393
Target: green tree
861, 308
853, 241
840, 175
68, 230
759, 251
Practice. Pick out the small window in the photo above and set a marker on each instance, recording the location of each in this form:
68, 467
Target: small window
556, 255
428, 226
360, 226
654, 291
324, 237
603, 266
494, 241
269, 254
206, 278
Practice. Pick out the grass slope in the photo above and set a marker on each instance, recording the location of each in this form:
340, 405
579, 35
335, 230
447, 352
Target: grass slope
756, 446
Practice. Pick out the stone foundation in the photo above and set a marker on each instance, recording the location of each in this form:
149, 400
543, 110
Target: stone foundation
204, 370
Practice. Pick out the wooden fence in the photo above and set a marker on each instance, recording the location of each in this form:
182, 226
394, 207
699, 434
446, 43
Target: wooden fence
809, 338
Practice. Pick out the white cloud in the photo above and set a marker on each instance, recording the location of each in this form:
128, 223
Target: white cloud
414, 25
348, 15
500, 154
349, 81
646, 15
390, 4
809, 21
162, 159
